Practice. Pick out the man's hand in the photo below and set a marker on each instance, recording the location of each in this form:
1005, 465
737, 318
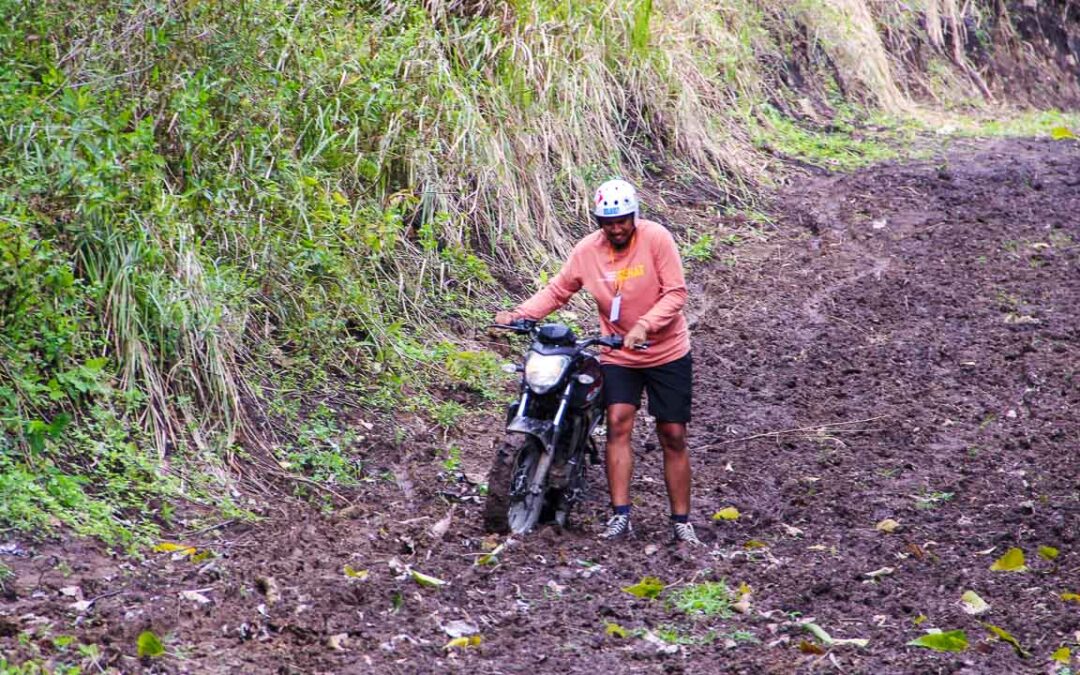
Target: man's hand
635, 337
504, 318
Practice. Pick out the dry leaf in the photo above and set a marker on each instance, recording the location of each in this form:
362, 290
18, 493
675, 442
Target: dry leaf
337, 642
269, 587
883, 572
195, 596
888, 526
359, 575
439, 529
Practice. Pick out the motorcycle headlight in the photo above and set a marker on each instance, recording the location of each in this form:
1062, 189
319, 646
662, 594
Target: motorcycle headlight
543, 371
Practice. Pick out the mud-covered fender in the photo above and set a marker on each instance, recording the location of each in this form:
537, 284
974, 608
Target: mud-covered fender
543, 430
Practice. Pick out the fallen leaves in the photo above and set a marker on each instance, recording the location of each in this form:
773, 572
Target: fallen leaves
877, 574
1070, 597
1063, 655
1005, 636
1012, 561
648, 588
616, 631
463, 642
149, 645
195, 596
950, 641
973, 604
726, 513
888, 526
823, 636
1048, 552
359, 575
268, 586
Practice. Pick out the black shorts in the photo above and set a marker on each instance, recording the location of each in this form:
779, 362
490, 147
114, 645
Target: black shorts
668, 386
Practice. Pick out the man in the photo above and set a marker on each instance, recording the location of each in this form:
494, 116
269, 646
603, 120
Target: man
632, 268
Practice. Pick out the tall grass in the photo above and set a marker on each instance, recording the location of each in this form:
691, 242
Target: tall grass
229, 193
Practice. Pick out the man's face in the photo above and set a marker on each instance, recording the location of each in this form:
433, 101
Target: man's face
618, 230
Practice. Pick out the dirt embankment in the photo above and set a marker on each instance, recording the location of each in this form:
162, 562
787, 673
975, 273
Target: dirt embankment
905, 347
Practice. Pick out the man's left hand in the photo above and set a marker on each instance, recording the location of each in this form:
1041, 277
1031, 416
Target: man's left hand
636, 337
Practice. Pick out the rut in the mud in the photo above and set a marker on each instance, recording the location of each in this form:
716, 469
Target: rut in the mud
918, 326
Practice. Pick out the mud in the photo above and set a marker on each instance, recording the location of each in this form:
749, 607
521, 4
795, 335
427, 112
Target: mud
904, 345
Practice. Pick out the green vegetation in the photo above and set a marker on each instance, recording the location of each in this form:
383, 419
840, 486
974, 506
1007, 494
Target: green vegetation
216, 214
709, 598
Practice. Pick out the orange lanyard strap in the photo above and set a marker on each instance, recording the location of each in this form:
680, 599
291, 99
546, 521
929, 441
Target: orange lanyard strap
620, 278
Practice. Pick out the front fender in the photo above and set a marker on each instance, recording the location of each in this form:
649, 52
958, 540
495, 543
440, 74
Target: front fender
542, 430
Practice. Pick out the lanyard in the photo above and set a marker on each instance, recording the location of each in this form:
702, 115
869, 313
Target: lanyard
620, 277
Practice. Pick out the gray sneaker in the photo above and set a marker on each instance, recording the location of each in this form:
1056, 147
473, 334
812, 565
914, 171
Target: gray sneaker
684, 532
618, 527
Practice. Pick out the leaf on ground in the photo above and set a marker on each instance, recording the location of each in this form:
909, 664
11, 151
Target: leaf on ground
426, 580
807, 647
951, 641
491, 557
1012, 561
439, 529
973, 604
822, 635
648, 587
463, 642
1070, 597
1062, 655
754, 544
919, 620
1048, 552
1007, 637
337, 641
888, 526
171, 547
726, 513
149, 645
877, 574
616, 631
355, 574
1062, 134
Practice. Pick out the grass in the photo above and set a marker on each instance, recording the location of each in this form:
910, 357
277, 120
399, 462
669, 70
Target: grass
708, 599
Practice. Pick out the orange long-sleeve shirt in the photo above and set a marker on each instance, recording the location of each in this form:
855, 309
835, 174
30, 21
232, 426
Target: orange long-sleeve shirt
653, 292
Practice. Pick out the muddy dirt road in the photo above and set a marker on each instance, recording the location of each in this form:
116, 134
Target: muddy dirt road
906, 346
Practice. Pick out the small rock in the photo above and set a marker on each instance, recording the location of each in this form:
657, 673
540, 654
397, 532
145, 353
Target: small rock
458, 628
650, 549
1011, 414
195, 596
268, 586
71, 592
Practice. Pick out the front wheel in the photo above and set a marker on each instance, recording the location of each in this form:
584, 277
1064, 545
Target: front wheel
510, 506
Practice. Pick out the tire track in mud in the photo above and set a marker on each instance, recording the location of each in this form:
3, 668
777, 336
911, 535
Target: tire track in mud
922, 320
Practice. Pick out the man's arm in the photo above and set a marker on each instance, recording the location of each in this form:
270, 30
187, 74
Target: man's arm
553, 296
669, 272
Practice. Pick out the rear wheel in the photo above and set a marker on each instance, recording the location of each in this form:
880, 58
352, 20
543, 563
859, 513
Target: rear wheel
510, 506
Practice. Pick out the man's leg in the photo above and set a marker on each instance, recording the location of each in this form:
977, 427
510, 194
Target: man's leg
677, 474
620, 460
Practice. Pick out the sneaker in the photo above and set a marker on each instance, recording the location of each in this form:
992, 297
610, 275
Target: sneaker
684, 532
618, 527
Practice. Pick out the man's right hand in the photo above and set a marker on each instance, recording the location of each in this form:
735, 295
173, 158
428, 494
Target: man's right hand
504, 318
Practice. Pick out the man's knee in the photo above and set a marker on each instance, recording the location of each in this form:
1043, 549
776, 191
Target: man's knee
620, 419
672, 436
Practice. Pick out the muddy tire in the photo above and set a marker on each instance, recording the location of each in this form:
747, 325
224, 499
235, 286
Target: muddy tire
512, 459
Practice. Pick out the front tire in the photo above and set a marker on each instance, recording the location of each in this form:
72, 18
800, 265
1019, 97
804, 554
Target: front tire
510, 507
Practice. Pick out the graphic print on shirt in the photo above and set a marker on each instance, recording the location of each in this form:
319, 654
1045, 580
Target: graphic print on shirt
620, 276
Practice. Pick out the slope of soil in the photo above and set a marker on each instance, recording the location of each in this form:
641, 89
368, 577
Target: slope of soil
907, 348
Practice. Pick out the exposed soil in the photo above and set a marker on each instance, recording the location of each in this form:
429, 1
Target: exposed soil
906, 345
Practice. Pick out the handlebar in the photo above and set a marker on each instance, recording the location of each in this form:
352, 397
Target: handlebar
526, 327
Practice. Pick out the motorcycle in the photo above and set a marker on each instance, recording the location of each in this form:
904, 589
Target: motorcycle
538, 473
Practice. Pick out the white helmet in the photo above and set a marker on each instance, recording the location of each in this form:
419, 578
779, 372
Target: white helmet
615, 198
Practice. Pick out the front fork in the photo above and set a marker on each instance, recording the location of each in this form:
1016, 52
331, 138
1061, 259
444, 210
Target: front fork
549, 440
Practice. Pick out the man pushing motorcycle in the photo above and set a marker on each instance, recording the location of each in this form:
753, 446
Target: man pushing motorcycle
631, 266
